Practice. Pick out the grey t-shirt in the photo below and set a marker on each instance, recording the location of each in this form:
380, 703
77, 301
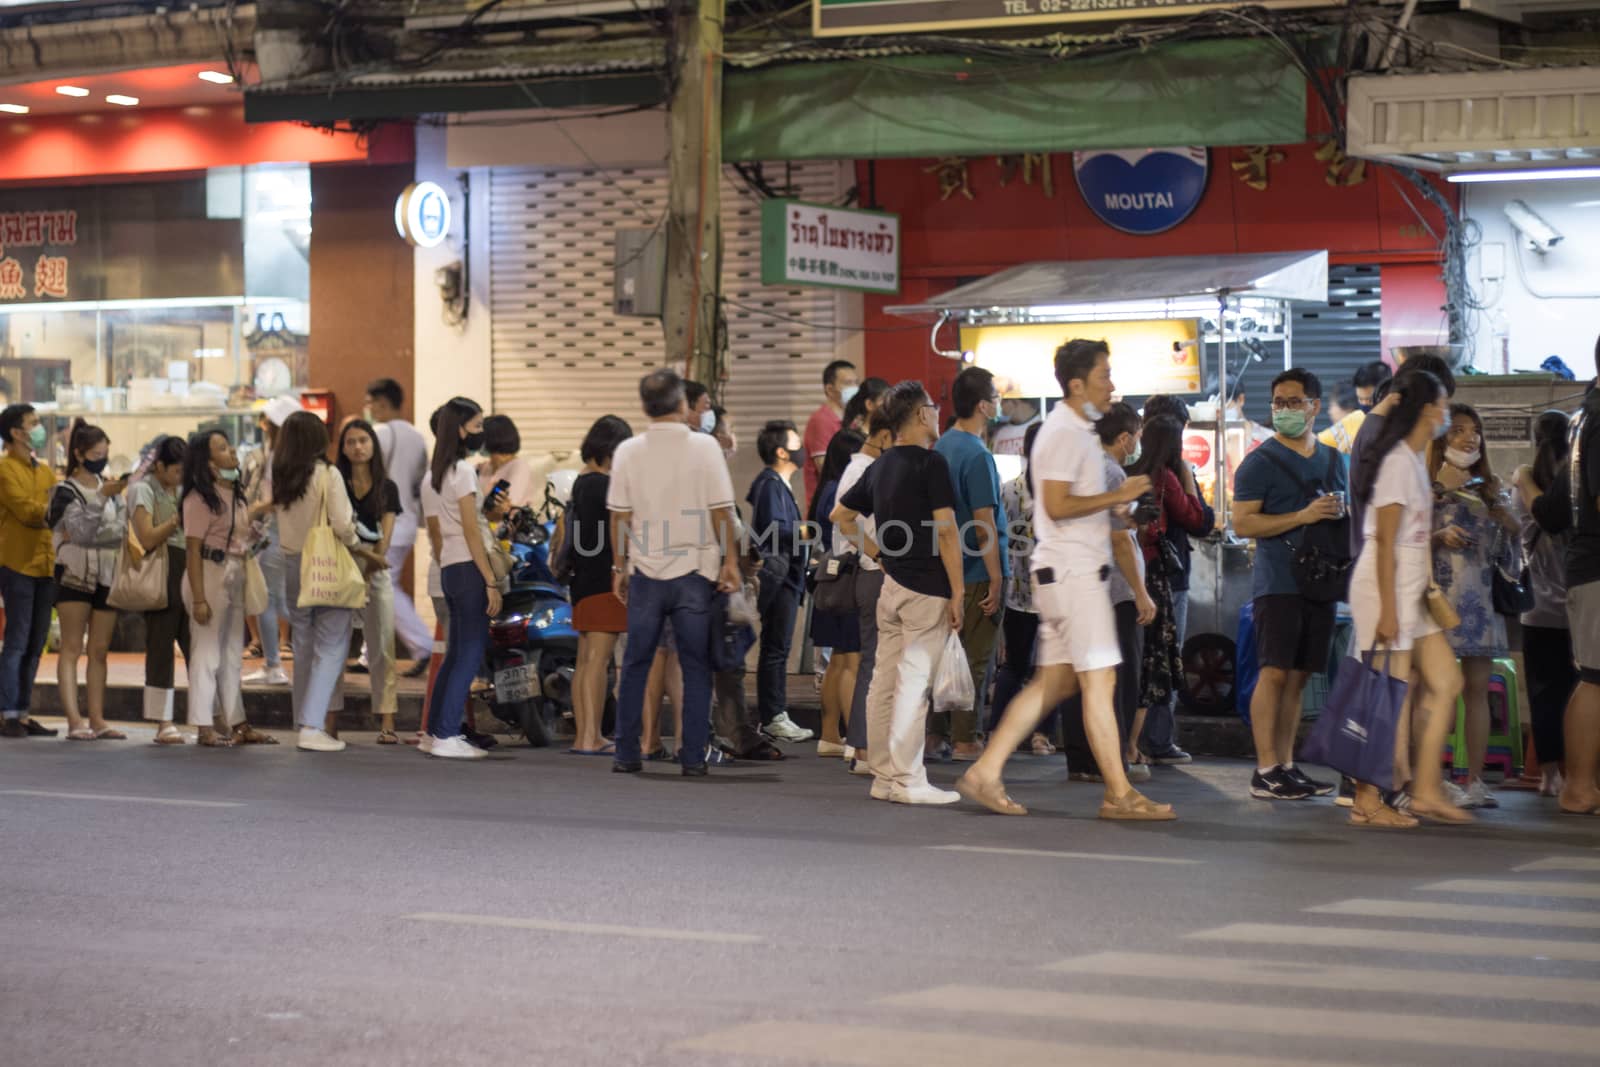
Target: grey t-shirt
1121, 591
160, 504
405, 457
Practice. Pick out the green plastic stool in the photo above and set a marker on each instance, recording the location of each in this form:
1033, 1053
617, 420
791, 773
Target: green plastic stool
1504, 747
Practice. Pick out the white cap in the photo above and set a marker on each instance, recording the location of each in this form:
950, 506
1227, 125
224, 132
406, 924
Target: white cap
279, 408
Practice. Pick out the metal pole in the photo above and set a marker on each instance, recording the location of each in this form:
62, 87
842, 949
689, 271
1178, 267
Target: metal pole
1221, 482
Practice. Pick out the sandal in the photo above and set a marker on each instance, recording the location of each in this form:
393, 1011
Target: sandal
661, 755
214, 740
388, 737
82, 733
1041, 746
1381, 818
245, 734
169, 735
110, 734
1444, 812
992, 796
765, 752
1134, 806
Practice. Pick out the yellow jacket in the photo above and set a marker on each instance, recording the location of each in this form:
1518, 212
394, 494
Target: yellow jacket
24, 537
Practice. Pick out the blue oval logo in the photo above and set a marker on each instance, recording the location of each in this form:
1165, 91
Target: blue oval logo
433, 213
1142, 190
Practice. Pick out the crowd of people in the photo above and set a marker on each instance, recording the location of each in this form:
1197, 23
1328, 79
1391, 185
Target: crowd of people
1067, 586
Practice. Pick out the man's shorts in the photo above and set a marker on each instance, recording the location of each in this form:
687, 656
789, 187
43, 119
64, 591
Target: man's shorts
1077, 625
1583, 613
1293, 633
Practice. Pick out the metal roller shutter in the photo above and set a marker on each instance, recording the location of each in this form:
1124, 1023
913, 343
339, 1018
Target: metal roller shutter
561, 358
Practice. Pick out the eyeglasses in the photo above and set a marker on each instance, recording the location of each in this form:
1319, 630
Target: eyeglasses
1290, 403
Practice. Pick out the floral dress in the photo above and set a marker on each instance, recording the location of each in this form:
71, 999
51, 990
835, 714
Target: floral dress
1466, 575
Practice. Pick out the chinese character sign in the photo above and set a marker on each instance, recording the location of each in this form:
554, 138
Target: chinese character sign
36, 229
843, 248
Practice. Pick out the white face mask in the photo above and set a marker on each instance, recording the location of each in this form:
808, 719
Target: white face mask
708, 421
1462, 460
1133, 457
1091, 412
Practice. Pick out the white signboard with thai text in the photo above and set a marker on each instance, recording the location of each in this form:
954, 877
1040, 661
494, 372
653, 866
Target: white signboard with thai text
834, 247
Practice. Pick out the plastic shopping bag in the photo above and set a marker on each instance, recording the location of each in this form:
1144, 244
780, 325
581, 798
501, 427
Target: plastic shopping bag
952, 689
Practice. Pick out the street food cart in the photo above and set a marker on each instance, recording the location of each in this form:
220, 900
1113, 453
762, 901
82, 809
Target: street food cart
1161, 317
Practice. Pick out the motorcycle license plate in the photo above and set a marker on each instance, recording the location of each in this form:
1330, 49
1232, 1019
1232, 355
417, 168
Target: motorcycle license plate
513, 683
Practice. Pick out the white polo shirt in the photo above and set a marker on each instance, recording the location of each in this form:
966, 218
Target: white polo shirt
1068, 450
671, 480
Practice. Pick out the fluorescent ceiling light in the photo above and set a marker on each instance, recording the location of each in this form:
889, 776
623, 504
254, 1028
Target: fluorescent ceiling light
215, 77
1540, 174
14, 109
72, 90
122, 101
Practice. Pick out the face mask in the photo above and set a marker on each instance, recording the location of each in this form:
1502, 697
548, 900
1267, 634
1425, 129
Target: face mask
1091, 412
94, 466
1133, 457
366, 413
1462, 460
473, 442
1440, 430
708, 421
1289, 423
38, 438
1366, 409
229, 475
848, 393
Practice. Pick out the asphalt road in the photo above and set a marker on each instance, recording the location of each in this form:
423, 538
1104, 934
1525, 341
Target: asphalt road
265, 906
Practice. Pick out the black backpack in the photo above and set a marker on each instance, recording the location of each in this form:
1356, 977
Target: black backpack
1322, 559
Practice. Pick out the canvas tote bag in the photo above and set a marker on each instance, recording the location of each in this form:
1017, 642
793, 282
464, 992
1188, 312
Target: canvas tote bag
329, 577
140, 582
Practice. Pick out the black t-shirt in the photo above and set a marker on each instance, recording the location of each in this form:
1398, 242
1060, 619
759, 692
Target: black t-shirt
1553, 510
380, 500
591, 536
901, 491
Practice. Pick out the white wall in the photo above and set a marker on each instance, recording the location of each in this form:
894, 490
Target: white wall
1546, 304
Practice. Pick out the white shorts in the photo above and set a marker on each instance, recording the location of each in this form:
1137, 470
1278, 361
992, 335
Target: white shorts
1411, 588
1077, 624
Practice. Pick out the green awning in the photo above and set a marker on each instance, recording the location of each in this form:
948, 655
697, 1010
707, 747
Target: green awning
1221, 92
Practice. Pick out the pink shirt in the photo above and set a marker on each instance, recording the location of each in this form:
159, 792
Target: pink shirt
212, 527
820, 428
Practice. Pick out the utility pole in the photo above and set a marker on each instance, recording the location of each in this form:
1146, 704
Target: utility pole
694, 204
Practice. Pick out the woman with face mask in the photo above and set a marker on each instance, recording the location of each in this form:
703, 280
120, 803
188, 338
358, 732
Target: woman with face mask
27, 561
1474, 532
86, 512
157, 523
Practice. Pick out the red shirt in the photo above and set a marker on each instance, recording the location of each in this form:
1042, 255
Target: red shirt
1177, 509
820, 428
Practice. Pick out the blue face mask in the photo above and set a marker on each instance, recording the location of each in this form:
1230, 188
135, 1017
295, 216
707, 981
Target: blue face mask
708, 421
848, 393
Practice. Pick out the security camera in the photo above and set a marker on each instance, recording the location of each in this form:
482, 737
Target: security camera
1540, 235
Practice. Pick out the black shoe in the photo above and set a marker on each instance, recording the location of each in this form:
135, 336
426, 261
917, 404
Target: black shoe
1300, 778
1276, 785
13, 728
1172, 757
695, 770
356, 667
483, 741
417, 669
38, 729
1347, 792
632, 766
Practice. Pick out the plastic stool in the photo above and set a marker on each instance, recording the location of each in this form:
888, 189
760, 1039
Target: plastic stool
1505, 735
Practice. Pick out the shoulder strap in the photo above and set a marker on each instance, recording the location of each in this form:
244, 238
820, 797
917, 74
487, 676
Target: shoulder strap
1308, 488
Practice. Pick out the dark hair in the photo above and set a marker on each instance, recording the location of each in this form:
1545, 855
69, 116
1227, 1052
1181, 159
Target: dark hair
1161, 448
845, 443
773, 436
1417, 390
601, 442
903, 403
1028, 438
1166, 404
167, 450
661, 392
972, 387
388, 389
1429, 363
1479, 469
831, 371
1120, 418
197, 470
869, 390
1302, 377
376, 467
1076, 360
500, 436
1550, 447
692, 392
880, 421
448, 448
82, 438
11, 419
1371, 375
1344, 394
302, 444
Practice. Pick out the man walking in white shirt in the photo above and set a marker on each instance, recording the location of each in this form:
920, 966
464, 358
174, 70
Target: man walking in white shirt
405, 457
1071, 563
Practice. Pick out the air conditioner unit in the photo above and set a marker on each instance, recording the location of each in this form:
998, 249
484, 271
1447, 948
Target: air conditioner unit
639, 272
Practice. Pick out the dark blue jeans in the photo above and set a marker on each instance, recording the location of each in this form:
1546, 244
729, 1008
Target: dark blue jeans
686, 602
28, 603
468, 640
777, 634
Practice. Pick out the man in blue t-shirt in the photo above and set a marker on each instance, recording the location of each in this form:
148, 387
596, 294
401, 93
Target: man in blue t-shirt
985, 566
1290, 482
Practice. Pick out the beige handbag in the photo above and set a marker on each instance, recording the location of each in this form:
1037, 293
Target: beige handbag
140, 583
255, 588
329, 577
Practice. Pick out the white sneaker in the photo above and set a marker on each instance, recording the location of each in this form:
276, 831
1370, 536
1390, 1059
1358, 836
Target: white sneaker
1480, 796
312, 740
425, 746
784, 729
881, 790
924, 794
829, 750
1456, 795
267, 676
1138, 772
859, 765
456, 748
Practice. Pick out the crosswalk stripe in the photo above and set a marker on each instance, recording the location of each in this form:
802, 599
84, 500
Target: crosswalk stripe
1226, 970
1478, 913
654, 933
120, 798
1254, 1018
1401, 941
1561, 863
877, 1046
1500, 888
1112, 856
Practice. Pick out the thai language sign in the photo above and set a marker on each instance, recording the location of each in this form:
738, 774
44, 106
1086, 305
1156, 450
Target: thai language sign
34, 231
840, 18
834, 247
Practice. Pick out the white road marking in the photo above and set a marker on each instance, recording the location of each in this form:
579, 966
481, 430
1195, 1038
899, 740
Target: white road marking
1569, 890
1226, 970
1401, 941
1255, 1018
877, 1046
1472, 913
1561, 863
600, 929
121, 799
1108, 856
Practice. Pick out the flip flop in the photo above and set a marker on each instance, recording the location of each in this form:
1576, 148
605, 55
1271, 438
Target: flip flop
81, 734
608, 749
993, 797
1569, 811
169, 735
1134, 806
110, 734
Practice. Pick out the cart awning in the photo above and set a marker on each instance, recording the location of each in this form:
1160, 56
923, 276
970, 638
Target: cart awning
1062, 286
